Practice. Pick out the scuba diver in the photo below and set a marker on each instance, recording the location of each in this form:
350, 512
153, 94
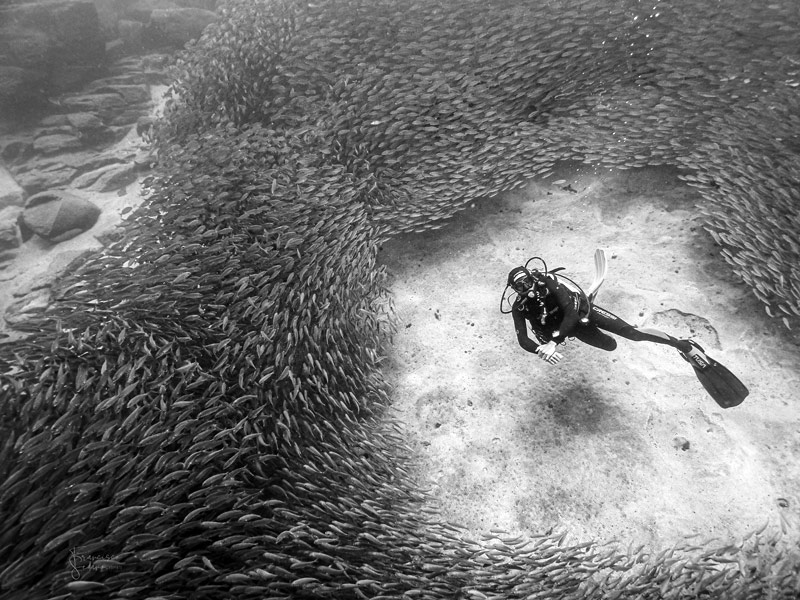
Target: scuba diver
560, 309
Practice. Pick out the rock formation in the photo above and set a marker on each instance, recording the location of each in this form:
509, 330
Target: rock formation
57, 216
47, 48
50, 48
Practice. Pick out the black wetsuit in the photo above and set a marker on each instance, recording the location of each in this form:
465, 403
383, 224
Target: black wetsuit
563, 308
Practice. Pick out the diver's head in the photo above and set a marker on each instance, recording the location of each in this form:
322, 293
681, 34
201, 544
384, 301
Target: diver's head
527, 283
520, 280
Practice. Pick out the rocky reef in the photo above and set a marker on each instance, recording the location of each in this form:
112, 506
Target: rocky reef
201, 412
56, 46
80, 133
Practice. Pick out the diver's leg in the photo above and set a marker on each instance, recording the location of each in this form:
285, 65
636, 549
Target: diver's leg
610, 322
590, 334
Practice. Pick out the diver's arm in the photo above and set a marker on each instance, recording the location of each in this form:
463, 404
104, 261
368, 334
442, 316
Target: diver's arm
522, 332
545, 351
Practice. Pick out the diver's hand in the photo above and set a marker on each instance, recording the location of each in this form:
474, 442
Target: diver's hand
547, 352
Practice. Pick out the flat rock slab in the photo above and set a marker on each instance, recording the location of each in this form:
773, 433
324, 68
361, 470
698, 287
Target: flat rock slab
84, 121
132, 93
56, 142
52, 176
108, 178
96, 103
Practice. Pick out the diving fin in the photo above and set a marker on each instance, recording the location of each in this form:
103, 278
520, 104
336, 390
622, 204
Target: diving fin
600, 271
722, 385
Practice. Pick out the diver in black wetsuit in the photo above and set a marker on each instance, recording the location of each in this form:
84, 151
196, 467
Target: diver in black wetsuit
554, 312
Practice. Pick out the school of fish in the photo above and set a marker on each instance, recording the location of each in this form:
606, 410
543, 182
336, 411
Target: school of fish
201, 412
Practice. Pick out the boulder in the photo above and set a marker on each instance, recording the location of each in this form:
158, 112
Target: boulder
54, 121
21, 89
125, 77
55, 143
141, 10
34, 180
177, 26
130, 117
155, 67
72, 29
20, 311
124, 67
156, 61
115, 49
84, 122
57, 215
131, 93
130, 32
56, 171
26, 47
15, 148
108, 12
10, 235
66, 78
115, 179
53, 130
47, 48
101, 104
88, 161
11, 194
108, 178
89, 127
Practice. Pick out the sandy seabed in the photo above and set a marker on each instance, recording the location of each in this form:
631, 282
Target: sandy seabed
603, 446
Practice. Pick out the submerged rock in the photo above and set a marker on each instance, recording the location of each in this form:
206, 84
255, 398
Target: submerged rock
16, 148
89, 125
107, 178
10, 234
178, 26
38, 176
25, 47
46, 48
130, 32
131, 92
11, 194
115, 49
20, 87
140, 10
26, 307
59, 215
57, 120
70, 27
56, 142
96, 103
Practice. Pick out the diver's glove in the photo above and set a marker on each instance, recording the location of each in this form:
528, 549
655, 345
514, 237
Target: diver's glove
547, 352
